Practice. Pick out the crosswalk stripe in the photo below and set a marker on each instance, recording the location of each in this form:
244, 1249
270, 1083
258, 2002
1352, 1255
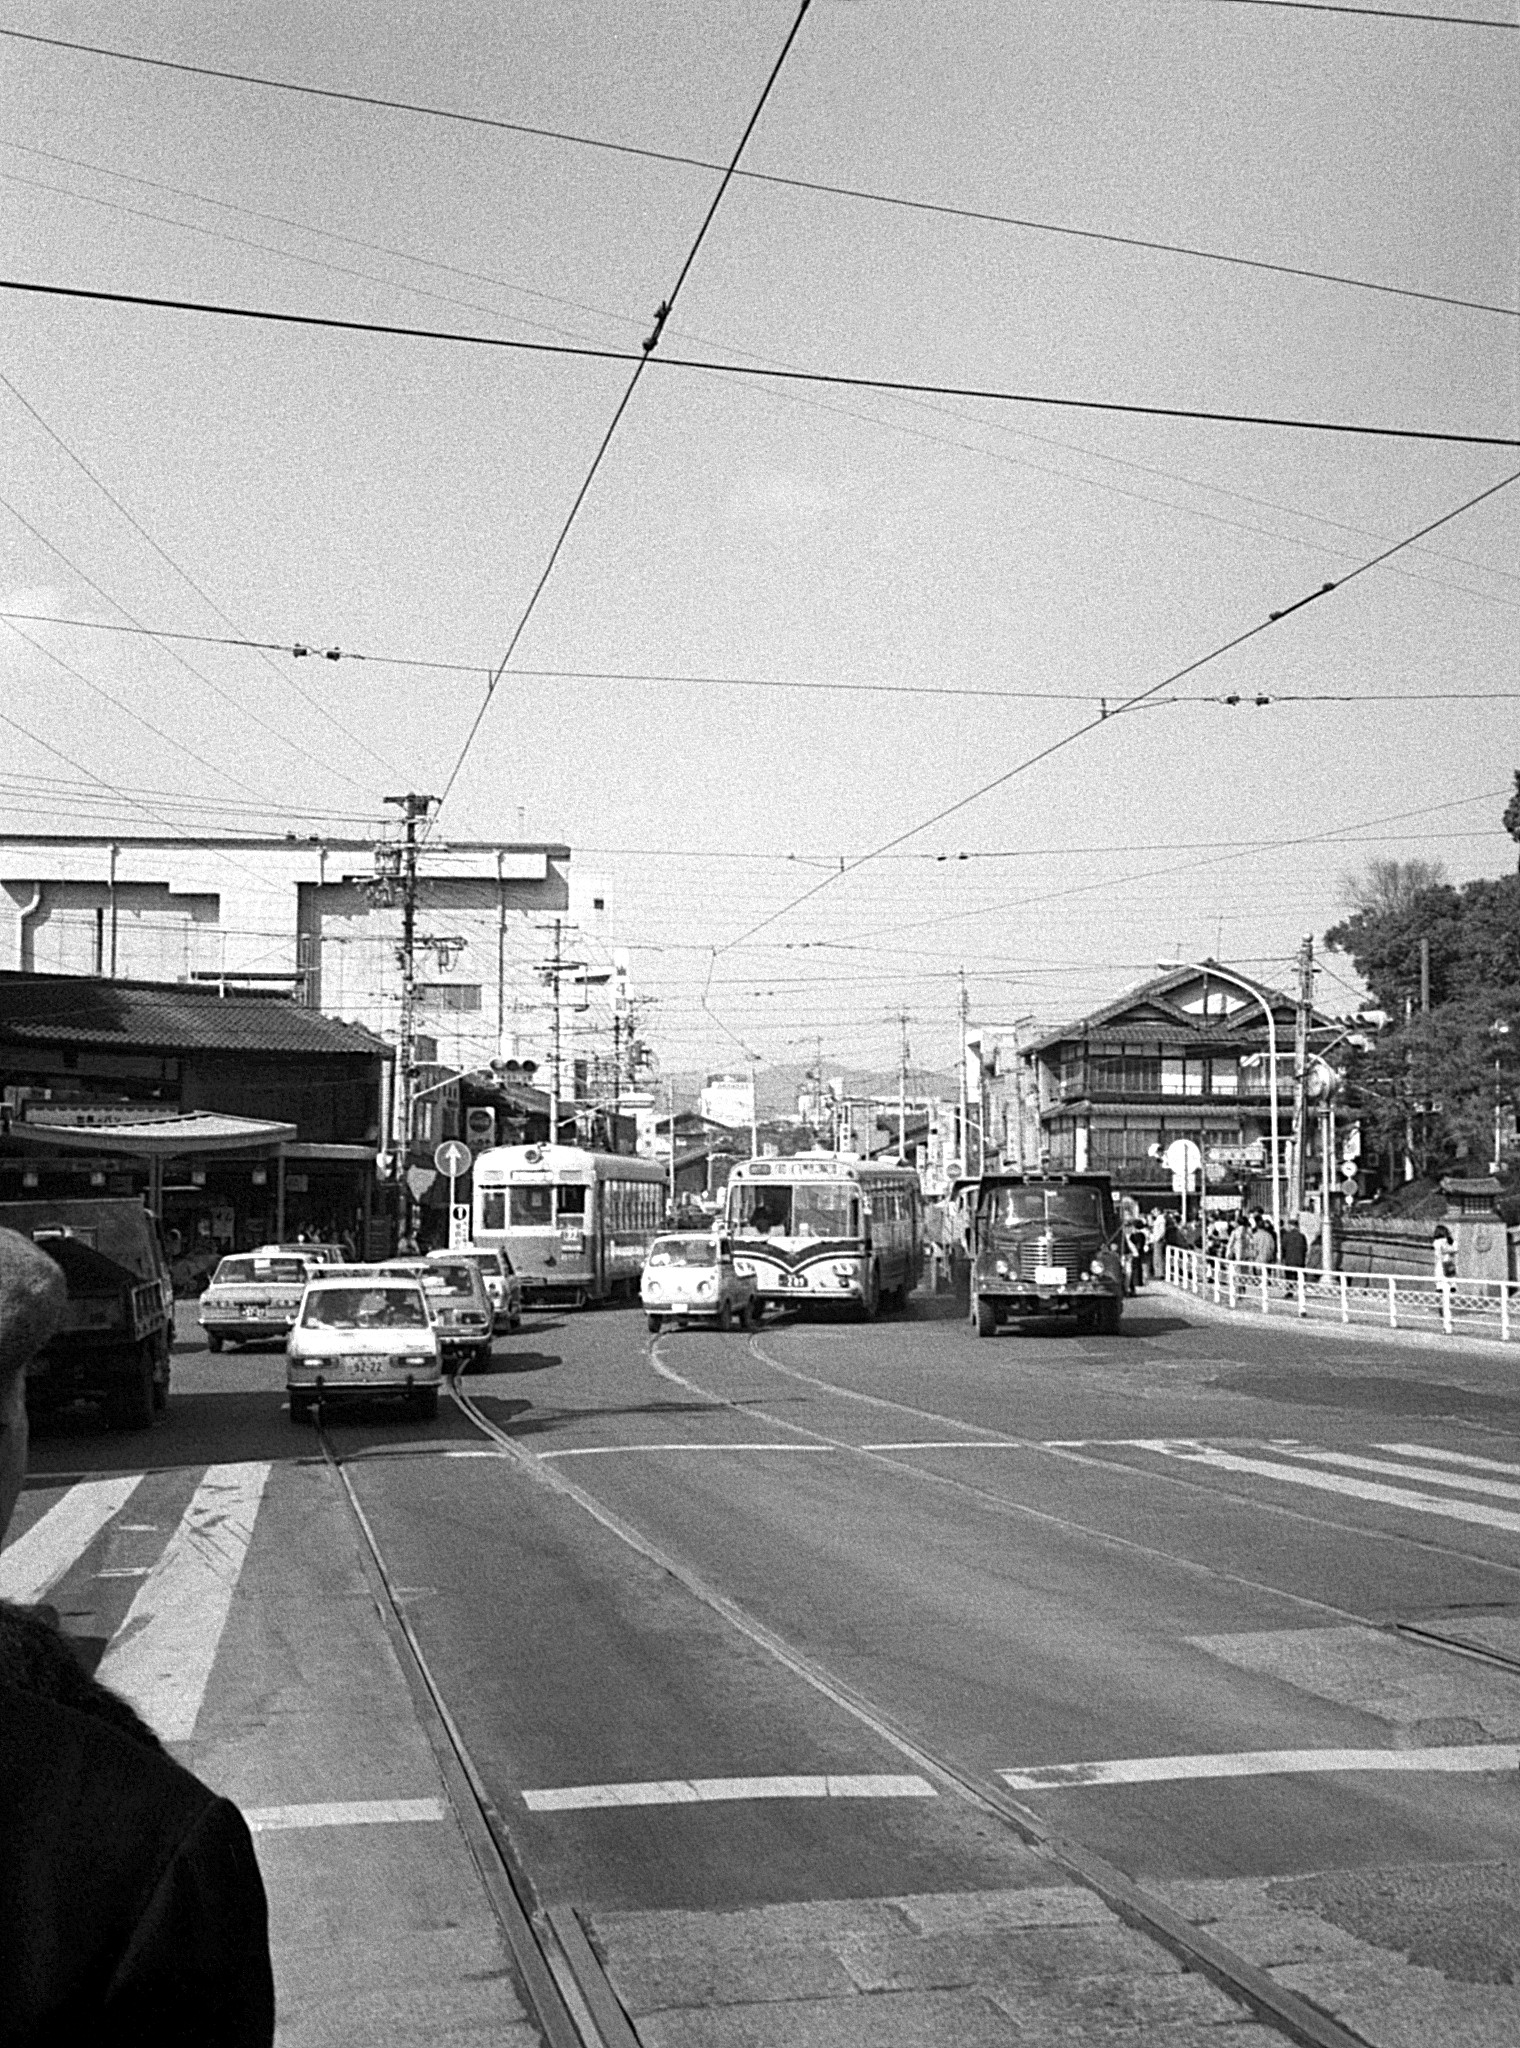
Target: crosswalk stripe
1260, 1763
38, 1559
1470, 1480
705, 1791
1335, 1482
1451, 1458
161, 1657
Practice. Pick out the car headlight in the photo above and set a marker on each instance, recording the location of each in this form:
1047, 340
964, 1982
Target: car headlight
653, 1289
421, 1359
704, 1287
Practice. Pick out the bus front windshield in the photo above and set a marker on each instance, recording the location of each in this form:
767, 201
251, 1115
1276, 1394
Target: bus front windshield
1009, 1208
804, 1209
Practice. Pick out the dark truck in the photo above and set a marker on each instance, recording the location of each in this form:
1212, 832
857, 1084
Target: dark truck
1045, 1245
115, 1342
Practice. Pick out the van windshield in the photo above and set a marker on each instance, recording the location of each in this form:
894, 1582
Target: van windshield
1008, 1208
683, 1251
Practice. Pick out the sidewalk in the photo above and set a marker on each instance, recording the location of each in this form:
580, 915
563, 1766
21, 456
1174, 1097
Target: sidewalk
381, 1928
1323, 1320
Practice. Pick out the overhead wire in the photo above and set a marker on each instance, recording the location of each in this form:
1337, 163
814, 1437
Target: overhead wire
314, 703
1378, 13
647, 354
816, 185
1092, 725
998, 394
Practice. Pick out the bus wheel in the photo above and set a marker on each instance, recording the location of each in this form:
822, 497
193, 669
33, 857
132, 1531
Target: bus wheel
213, 1342
870, 1305
986, 1318
655, 1326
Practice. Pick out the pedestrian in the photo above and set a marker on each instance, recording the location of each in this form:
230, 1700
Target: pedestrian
1444, 1256
1237, 1246
1293, 1253
1263, 1242
1159, 1239
131, 1906
1135, 1242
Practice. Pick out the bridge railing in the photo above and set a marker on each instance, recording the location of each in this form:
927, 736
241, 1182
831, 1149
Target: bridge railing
1391, 1301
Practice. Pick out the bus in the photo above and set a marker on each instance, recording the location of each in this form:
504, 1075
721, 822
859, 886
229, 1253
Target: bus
576, 1225
825, 1227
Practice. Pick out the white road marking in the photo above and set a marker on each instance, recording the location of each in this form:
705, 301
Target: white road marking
1332, 1482
125, 1571
952, 1443
1470, 1480
1261, 1763
704, 1791
1450, 1458
39, 1559
342, 1813
161, 1657
617, 1450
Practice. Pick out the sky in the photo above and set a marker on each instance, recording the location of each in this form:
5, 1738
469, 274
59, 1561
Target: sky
988, 576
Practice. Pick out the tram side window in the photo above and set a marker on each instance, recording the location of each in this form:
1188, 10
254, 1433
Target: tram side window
532, 1208
493, 1208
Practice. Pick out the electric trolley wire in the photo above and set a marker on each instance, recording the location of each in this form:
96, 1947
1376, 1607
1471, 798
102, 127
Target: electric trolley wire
1092, 725
683, 680
907, 386
1378, 13
818, 185
641, 363
184, 574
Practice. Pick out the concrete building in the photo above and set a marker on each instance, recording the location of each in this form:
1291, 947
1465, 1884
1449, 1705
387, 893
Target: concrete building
301, 917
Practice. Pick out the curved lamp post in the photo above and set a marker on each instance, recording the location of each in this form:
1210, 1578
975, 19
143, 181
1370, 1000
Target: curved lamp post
1249, 988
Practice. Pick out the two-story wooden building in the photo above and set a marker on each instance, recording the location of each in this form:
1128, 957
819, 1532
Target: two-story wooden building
1182, 1057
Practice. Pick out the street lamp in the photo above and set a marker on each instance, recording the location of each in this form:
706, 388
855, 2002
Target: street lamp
1249, 988
1498, 1031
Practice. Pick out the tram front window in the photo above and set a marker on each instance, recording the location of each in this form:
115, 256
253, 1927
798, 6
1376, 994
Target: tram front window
572, 1202
532, 1208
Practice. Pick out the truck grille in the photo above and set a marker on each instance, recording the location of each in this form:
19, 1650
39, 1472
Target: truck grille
1054, 1248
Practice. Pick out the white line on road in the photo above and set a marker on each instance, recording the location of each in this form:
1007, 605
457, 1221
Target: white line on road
1332, 1482
1451, 1458
705, 1791
1261, 1763
952, 1443
342, 1813
1469, 1480
617, 1450
39, 1559
161, 1657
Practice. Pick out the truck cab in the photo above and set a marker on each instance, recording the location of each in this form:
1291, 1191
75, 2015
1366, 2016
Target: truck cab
1046, 1245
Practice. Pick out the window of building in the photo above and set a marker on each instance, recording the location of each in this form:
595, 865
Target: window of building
1126, 1074
1224, 1077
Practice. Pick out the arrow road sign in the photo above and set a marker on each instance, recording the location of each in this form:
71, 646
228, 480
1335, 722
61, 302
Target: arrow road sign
453, 1159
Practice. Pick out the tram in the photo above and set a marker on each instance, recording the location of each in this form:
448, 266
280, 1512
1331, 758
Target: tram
576, 1225
826, 1227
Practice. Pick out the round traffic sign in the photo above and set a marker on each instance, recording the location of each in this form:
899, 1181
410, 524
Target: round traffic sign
453, 1158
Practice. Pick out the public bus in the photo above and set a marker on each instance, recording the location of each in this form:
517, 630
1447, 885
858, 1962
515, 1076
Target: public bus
824, 1227
576, 1225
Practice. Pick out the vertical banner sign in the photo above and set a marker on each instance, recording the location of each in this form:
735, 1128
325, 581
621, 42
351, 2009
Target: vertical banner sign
453, 1159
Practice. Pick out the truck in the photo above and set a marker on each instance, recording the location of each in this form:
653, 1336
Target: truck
1046, 1245
118, 1333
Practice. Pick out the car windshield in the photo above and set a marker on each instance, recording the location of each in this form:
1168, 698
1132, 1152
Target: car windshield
365, 1308
250, 1271
683, 1251
1007, 1208
809, 1209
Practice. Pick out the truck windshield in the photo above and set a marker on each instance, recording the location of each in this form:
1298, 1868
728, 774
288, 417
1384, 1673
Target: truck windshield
806, 1210
1008, 1208
365, 1308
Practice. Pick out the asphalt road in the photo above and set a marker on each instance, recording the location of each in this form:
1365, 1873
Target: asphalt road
1084, 1569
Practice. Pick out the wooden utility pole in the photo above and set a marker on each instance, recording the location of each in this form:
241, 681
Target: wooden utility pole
1302, 1017
399, 873
965, 1145
902, 1093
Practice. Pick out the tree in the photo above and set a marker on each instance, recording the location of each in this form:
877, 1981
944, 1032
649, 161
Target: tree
1386, 886
1511, 819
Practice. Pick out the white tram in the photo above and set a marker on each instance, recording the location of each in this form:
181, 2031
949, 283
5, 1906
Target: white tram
576, 1225
825, 1227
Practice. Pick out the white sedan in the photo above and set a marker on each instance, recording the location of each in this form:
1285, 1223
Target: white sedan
693, 1279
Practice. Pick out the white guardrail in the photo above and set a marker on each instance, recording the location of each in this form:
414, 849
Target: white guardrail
1394, 1301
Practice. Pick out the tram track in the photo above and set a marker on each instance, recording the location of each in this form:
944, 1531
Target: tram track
1294, 2017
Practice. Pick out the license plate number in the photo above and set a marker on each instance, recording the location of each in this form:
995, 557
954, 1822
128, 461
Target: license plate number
367, 1365
1050, 1276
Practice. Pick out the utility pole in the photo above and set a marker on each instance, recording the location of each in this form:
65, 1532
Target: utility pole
1303, 1013
671, 1091
965, 1145
1018, 1098
902, 1093
398, 874
754, 1116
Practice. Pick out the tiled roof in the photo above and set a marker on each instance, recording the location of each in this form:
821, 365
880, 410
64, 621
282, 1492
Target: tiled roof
168, 1017
1115, 1020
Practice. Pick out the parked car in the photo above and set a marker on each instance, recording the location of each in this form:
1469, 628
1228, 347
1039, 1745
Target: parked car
691, 1279
304, 1248
360, 1336
503, 1286
460, 1306
253, 1297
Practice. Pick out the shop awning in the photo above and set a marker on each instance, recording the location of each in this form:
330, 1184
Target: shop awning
196, 1134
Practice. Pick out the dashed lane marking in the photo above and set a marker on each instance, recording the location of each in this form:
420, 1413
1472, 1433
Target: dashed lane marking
37, 1560
161, 1657
342, 1813
1260, 1763
705, 1791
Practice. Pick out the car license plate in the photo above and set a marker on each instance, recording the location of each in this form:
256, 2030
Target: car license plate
367, 1365
1050, 1276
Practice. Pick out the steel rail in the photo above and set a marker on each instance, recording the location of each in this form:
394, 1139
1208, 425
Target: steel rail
1281, 2008
565, 1989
